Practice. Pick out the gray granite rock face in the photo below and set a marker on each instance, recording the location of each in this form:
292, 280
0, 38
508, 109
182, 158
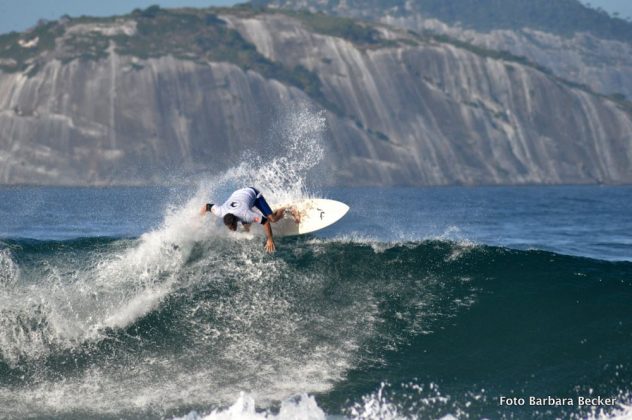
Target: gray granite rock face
108, 122
605, 65
421, 114
451, 116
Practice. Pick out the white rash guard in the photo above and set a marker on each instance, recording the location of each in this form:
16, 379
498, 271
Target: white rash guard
240, 203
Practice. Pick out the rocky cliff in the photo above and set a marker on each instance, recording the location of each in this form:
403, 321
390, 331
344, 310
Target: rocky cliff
573, 41
130, 100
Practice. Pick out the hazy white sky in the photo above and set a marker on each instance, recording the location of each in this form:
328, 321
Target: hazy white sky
17, 15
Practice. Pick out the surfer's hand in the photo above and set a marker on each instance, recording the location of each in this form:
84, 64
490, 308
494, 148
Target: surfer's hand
203, 210
270, 247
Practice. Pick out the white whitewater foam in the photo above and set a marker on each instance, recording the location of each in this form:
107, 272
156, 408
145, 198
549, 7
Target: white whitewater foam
414, 401
423, 401
375, 407
622, 413
68, 304
622, 410
9, 270
300, 407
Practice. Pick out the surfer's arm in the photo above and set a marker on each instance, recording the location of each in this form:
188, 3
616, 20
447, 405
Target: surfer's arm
267, 228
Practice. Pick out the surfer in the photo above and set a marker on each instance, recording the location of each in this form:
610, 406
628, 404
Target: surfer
239, 208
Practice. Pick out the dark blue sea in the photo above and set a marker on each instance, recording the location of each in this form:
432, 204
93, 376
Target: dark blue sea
452, 302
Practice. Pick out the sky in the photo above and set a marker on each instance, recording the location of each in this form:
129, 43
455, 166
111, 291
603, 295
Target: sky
623, 7
18, 15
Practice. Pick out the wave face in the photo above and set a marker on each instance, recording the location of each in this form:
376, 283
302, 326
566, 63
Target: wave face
126, 327
140, 319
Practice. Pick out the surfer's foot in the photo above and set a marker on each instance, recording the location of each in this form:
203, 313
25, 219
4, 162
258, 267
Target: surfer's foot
277, 215
296, 215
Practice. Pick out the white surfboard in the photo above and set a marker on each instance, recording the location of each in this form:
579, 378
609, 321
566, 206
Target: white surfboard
316, 214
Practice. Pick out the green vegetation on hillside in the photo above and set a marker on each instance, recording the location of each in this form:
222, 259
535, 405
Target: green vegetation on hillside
86, 46
563, 17
200, 35
618, 98
487, 53
15, 57
190, 34
349, 29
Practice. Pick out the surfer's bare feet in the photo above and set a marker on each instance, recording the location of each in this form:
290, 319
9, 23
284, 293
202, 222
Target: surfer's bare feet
296, 215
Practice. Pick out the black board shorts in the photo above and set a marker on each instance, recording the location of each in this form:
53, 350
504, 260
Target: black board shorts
261, 204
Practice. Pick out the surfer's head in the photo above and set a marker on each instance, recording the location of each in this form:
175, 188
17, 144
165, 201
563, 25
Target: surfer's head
230, 220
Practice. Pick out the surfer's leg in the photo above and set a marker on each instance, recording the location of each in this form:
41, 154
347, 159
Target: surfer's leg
262, 205
279, 213
274, 216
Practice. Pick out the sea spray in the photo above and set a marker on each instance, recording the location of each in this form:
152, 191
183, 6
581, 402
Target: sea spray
98, 307
295, 148
70, 303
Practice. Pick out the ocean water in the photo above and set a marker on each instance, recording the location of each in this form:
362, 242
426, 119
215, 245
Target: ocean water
421, 303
